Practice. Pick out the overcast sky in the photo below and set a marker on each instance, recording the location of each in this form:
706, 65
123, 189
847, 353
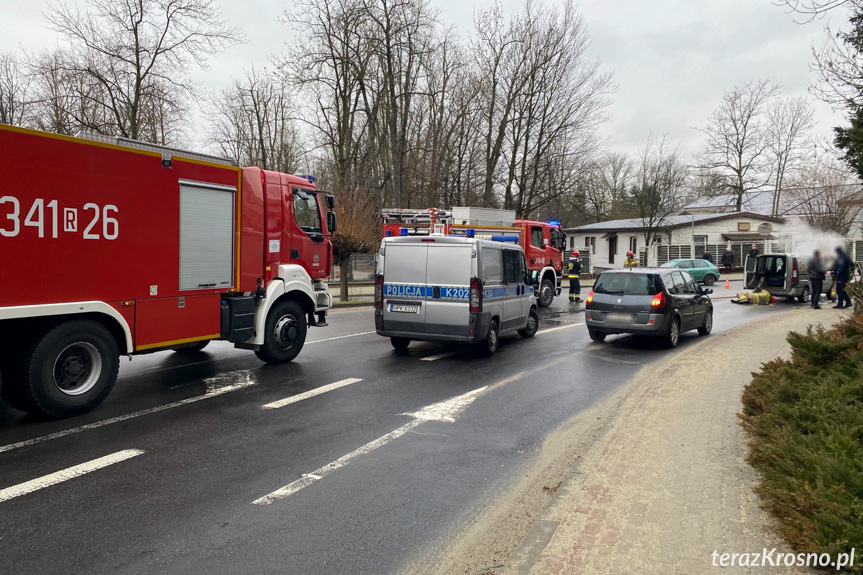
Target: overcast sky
671, 59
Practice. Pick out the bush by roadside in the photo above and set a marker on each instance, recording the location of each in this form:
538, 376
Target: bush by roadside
804, 417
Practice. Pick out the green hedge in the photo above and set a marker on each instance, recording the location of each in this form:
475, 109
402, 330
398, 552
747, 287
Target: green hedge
804, 418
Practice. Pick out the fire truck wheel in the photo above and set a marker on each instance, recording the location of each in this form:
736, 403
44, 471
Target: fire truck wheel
532, 324
546, 293
489, 345
70, 370
284, 334
193, 347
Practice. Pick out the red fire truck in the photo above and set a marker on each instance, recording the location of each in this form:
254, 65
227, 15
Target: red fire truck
114, 247
543, 242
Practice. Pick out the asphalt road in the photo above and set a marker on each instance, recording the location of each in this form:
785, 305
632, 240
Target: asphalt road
179, 459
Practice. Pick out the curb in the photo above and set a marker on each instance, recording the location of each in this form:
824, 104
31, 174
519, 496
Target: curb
351, 304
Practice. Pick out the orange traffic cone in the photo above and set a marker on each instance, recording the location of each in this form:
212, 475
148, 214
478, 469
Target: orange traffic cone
727, 284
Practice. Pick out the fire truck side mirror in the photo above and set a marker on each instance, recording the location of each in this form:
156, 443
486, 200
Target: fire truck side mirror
331, 222
331, 201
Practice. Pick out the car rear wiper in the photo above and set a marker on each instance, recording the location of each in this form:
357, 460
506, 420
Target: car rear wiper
618, 292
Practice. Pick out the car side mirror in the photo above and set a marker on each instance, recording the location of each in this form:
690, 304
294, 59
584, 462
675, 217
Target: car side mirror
707, 291
331, 222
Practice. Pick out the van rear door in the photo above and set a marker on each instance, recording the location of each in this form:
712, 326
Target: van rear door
404, 297
448, 272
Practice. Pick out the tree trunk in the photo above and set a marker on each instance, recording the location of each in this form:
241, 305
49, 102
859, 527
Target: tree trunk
343, 279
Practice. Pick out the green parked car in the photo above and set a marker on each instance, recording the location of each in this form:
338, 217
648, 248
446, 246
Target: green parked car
701, 270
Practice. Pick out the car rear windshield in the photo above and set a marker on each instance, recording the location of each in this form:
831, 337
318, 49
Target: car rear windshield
626, 284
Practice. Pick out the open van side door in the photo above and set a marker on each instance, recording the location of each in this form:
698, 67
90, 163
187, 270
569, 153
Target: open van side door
749, 275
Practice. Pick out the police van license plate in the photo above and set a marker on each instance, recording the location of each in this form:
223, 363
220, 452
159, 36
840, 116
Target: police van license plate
401, 308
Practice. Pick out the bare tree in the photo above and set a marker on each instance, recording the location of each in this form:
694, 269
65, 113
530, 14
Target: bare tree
828, 195
737, 142
139, 52
789, 123
661, 181
605, 186
15, 97
253, 123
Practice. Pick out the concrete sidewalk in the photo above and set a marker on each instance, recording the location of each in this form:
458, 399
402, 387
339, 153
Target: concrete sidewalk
666, 484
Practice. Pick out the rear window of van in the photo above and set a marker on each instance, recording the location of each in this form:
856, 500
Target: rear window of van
626, 284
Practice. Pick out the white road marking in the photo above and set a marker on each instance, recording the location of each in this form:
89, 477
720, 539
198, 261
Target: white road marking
244, 379
311, 393
441, 355
340, 337
572, 325
447, 410
66, 474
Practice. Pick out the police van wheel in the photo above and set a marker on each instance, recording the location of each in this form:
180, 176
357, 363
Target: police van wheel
284, 333
532, 324
193, 348
489, 345
400, 343
69, 371
546, 293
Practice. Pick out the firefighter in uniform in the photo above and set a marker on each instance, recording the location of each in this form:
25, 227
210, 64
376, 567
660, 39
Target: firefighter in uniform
574, 274
630, 261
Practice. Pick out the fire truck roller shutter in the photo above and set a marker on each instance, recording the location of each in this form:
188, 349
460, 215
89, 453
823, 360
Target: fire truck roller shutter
206, 235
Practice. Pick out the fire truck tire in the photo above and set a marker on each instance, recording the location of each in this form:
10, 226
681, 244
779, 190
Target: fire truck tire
546, 293
193, 347
68, 371
488, 346
532, 324
285, 333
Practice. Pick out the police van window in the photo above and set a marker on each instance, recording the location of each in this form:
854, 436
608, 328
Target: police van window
306, 213
492, 266
512, 266
536, 237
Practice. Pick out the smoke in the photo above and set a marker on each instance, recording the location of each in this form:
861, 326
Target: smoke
805, 239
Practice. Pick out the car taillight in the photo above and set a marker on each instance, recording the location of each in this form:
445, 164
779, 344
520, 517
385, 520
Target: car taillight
379, 291
589, 297
794, 274
475, 295
658, 301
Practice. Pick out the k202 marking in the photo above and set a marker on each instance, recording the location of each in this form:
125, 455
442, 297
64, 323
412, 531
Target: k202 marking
50, 224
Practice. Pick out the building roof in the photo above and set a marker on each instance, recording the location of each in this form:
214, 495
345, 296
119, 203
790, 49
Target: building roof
669, 222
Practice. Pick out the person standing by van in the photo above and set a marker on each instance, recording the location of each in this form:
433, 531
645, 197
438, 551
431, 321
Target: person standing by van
708, 257
841, 275
753, 253
574, 274
728, 260
817, 273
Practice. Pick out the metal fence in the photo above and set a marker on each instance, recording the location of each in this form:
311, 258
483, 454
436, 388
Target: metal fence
361, 268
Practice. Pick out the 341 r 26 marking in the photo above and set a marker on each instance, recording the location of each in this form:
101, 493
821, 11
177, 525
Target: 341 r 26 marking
35, 218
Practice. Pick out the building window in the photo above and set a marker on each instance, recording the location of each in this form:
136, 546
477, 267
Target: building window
700, 240
633, 244
590, 242
742, 226
657, 240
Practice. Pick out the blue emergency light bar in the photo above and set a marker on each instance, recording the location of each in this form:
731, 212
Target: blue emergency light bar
512, 239
389, 233
470, 233
310, 179
403, 231
553, 222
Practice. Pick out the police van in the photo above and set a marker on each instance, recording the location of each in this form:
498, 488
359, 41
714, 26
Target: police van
453, 289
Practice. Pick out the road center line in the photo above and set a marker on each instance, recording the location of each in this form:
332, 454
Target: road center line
311, 393
570, 326
66, 474
215, 392
444, 411
340, 337
441, 355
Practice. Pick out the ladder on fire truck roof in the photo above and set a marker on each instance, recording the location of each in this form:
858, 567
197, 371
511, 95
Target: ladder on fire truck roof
414, 216
166, 151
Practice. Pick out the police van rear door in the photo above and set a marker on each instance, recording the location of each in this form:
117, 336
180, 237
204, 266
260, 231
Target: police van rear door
405, 288
448, 275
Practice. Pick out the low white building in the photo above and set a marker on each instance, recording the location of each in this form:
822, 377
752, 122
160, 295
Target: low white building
678, 236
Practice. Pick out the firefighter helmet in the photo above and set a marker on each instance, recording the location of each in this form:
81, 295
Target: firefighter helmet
575, 254
629, 254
